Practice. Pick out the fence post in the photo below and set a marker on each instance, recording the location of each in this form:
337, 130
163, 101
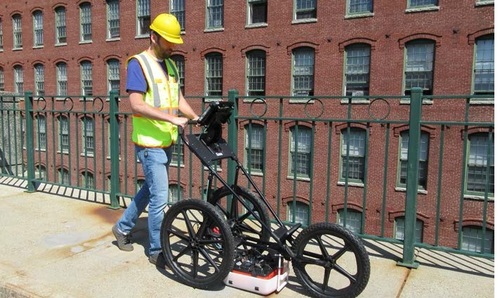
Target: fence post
114, 149
30, 136
412, 179
232, 135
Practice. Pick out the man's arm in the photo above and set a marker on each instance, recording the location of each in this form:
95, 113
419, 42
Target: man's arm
140, 107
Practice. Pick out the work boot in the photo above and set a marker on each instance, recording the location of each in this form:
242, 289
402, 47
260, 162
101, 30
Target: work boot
157, 259
123, 241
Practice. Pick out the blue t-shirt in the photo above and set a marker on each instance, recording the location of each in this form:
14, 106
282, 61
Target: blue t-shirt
136, 81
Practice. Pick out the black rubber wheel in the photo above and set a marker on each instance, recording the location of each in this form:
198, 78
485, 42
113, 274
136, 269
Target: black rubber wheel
331, 261
197, 243
242, 222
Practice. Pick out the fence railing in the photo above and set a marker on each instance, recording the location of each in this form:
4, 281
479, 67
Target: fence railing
412, 169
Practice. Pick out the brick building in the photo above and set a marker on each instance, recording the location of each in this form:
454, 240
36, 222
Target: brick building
297, 48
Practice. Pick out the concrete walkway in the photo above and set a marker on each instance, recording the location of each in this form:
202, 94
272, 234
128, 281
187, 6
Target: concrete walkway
54, 246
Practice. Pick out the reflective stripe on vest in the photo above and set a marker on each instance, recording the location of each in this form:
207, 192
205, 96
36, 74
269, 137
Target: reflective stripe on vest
163, 93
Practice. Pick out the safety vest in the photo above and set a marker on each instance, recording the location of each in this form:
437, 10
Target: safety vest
163, 93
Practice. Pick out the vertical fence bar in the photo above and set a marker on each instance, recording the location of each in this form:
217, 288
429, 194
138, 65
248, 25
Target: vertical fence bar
232, 136
412, 181
30, 135
114, 149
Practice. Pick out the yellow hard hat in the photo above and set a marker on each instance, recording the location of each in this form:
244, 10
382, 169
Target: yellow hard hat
168, 27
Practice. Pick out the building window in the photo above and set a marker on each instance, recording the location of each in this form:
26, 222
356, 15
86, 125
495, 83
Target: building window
215, 14
175, 193
297, 212
60, 13
257, 12
1, 34
37, 28
357, 70
481, 164
62, 79
85, 22
63, 134
39, 71
213, 66
143, 17
88, 180
353, 155
300, 151
303, 72
178, 153
305, 9
178, 9
17, 30
422, 159
256, 73
422, 3
63, 177
355, 7
419, 66
86, 77
113, 14
475, 240
254, 148
399, 229
119, 145
41, 173
180, 64
113, 75
484, 66
18, 79
41, 132
351, 219
88, 136
2, 80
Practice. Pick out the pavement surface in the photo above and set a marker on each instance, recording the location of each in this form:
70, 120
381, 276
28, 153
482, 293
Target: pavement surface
55, 246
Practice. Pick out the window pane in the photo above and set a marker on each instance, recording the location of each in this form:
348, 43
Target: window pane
484, 68
419, 66
357, 70
481, 164
60, 25
214, 74
256, 73
473, 239
215, 10
360, 6
303, 72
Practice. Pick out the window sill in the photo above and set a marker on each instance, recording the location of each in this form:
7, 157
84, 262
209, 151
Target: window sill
484, 3
256, 25
479, 197
359, 15
299, 178
210, 30
425, 101
305, 21
61, 44
353, 184
403, 189
111, 39
422, 9
85, 42
355, 101
482, 101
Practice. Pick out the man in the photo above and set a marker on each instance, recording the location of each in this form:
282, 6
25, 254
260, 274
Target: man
155, 99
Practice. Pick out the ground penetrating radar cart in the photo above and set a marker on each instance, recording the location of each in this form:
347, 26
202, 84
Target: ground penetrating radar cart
230, 237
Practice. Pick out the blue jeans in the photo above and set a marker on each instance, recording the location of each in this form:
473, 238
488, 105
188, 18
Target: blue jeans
155, 162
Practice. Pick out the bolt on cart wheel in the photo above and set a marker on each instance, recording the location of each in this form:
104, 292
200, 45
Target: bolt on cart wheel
331, 261
242, 221
197, 243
